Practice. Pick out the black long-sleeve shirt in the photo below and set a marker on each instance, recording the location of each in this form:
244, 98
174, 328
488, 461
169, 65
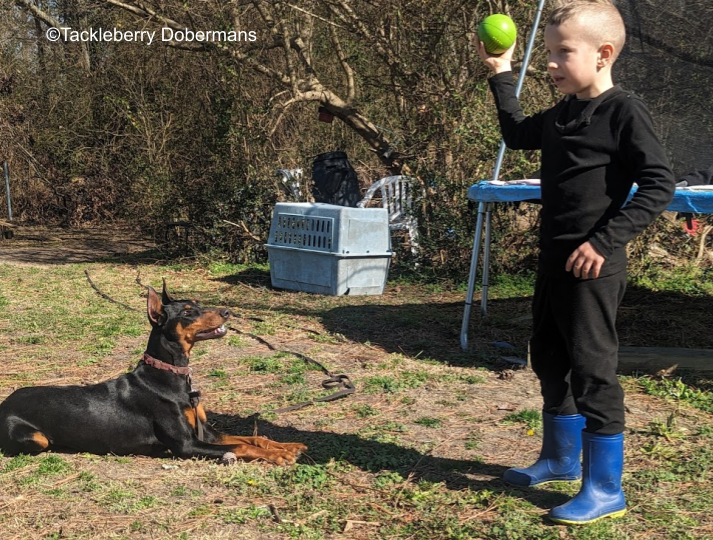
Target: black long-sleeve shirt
593, 151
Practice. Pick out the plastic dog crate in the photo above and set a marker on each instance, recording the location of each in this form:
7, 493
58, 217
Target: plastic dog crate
329, 249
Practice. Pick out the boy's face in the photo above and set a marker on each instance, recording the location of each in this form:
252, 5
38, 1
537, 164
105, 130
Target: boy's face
573, 61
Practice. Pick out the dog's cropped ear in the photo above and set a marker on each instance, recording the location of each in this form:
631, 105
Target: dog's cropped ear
154, 307
165, 297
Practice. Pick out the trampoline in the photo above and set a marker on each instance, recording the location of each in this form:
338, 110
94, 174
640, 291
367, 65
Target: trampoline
693, 200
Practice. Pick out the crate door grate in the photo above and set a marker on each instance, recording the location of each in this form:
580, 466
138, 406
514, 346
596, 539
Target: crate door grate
306, 232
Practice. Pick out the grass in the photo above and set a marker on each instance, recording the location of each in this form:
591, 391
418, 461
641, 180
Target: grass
678, 390
396, 383
416, 453
688, 279
427, 421
531, 418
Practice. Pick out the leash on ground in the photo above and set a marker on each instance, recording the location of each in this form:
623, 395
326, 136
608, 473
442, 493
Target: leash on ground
106, 296
341, 381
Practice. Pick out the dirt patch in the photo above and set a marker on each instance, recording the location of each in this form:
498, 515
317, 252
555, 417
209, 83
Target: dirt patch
43, 246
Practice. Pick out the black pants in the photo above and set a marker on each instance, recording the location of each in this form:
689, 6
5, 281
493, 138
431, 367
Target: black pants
574, 348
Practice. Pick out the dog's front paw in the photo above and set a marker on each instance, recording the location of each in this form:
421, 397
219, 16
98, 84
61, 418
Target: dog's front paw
228, 459
288, 454
295, 449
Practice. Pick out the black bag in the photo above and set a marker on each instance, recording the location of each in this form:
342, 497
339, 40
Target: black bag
334, 180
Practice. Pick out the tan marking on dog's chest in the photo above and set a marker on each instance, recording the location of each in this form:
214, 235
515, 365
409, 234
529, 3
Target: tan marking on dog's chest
190, 414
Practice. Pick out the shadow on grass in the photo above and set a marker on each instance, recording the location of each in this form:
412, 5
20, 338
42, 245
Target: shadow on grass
399, 324
375, 456
649, 318
431, 329
253, 277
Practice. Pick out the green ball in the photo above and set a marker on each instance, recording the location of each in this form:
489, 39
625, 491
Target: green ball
497, 32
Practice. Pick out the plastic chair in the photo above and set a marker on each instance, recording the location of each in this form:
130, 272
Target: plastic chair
397, 198
291, 179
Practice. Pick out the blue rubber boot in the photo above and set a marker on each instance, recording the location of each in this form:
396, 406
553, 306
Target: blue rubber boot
601, 495
560, 454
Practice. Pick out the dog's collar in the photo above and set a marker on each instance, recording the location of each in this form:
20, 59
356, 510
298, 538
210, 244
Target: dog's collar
193, 394
158, 364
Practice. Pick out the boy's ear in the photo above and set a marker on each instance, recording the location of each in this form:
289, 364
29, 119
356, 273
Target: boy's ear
154, 307
605, 55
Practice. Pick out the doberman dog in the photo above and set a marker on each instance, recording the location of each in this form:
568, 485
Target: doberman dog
149, 411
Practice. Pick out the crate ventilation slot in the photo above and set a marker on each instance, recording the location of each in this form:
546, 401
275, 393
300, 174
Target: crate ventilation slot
306, 232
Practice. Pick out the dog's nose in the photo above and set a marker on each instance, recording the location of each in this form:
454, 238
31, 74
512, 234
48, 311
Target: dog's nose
225, 313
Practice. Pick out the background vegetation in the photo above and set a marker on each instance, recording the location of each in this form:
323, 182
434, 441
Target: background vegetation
147, 134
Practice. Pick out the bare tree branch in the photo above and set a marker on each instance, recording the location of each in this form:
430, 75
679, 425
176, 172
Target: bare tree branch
291, 69
139, 8
348, 71
327, 21
39, 14
355, 21
49, 20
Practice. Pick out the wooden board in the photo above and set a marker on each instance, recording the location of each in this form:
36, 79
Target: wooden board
664, 360
6, 230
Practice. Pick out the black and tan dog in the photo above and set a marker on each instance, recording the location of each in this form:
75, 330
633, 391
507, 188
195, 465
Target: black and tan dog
149, 411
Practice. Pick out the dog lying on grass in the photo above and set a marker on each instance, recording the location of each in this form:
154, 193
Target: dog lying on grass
149, 411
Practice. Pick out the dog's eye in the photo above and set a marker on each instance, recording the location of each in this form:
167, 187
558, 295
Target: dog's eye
187, 313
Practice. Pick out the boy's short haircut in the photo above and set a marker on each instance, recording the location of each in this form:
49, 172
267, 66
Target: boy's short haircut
601, 18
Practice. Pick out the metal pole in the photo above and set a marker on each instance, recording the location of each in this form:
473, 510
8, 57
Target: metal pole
486, 261
487, 217
471, 278
7, 190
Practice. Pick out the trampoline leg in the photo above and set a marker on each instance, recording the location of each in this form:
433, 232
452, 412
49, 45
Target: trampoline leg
471, 277
486, 261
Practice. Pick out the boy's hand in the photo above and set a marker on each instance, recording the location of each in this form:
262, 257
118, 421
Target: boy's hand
499, 63
585, 262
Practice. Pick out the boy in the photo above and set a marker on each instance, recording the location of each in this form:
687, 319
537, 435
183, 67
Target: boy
595, 144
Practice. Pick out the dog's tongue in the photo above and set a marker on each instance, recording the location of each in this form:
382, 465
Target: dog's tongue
210, 334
